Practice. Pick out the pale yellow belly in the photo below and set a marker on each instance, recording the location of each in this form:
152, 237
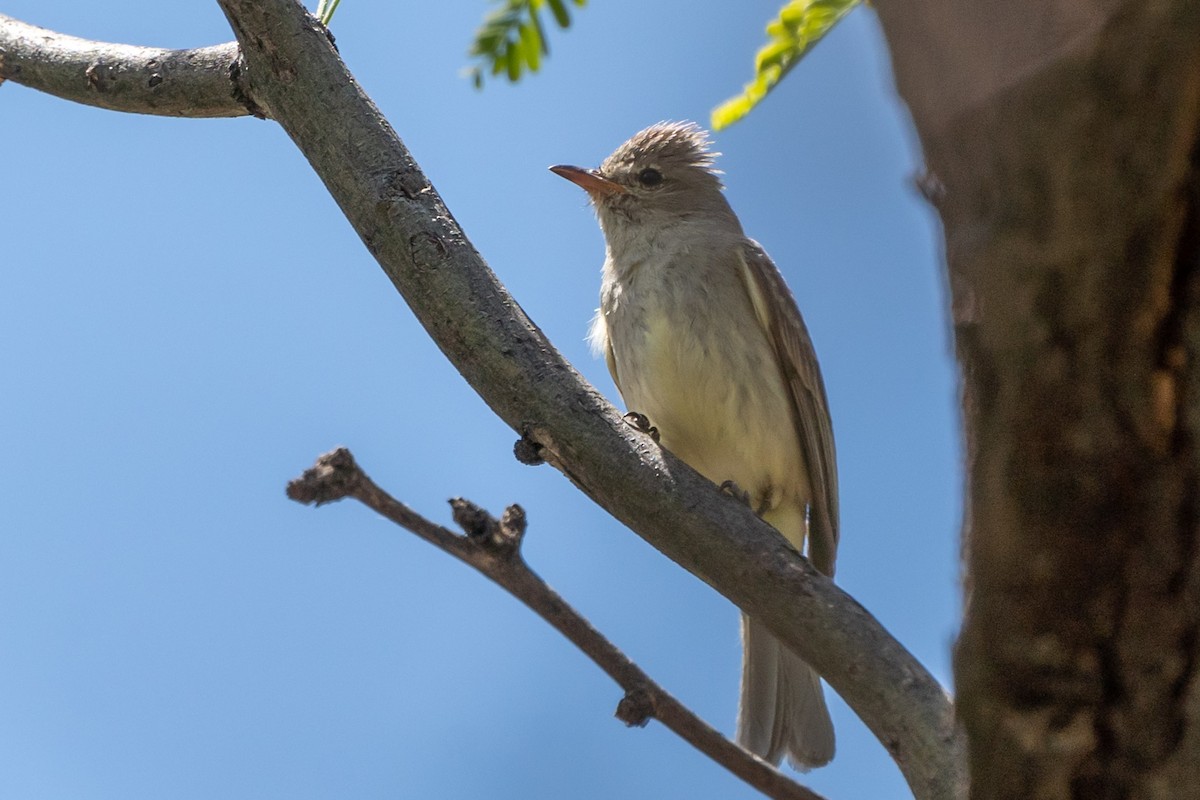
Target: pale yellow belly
720, 404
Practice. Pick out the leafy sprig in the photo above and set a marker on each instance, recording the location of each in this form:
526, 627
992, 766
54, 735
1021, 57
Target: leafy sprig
512, 40
799, 25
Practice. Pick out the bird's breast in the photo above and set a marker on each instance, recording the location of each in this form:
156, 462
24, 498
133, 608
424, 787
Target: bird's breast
691, 355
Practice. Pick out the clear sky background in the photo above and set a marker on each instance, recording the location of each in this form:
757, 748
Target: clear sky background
186, 321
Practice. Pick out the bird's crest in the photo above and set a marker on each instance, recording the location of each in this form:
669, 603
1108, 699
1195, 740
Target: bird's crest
680, 143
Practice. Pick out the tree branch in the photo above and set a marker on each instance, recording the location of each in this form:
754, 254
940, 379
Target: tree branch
294, 76
297, 76
493, 547
205, 82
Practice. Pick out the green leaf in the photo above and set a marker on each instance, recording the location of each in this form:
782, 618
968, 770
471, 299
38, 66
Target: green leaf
511, 38
512, 62
799, 25
531, 45
561, 16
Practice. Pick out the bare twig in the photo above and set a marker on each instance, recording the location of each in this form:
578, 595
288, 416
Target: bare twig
204, 82
492, 547
294, 75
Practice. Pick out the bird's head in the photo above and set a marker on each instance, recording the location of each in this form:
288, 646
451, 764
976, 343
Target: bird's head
663, 175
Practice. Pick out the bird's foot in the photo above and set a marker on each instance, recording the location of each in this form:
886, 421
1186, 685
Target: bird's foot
641, 423
736, 492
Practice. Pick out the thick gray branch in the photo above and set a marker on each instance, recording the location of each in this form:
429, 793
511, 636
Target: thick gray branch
297, 76
204, 82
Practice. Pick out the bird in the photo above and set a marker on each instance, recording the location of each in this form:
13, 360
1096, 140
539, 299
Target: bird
706, 344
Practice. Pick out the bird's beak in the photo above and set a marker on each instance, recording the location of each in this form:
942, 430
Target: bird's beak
590, 180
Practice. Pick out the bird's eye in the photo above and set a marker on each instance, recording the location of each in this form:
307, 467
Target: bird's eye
650, 177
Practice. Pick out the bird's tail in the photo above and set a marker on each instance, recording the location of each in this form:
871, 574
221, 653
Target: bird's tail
782, 710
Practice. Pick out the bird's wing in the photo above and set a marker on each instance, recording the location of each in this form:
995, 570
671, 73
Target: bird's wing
781, 320
611, 361
601, 343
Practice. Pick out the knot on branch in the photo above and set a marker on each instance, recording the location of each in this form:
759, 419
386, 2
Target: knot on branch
528, 450
636, 707
406, 183
931, 188
502, 535
334, 475
427, 249
98, 75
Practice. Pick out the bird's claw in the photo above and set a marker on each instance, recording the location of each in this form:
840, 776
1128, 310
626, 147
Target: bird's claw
641, 423
736, 492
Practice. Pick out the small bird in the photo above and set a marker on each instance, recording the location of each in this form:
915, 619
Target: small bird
703, 338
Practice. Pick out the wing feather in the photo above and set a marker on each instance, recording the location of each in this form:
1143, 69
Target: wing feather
601, 344
778, 314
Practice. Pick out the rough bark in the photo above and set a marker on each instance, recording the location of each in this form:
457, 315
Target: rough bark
204, 82
1061, 140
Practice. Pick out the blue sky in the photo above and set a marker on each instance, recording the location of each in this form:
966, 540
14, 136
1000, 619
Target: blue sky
186, 321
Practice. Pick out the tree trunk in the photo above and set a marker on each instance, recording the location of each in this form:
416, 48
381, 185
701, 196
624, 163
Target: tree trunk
1061, 139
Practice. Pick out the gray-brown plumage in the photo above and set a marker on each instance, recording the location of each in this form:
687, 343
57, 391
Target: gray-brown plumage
703, 337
